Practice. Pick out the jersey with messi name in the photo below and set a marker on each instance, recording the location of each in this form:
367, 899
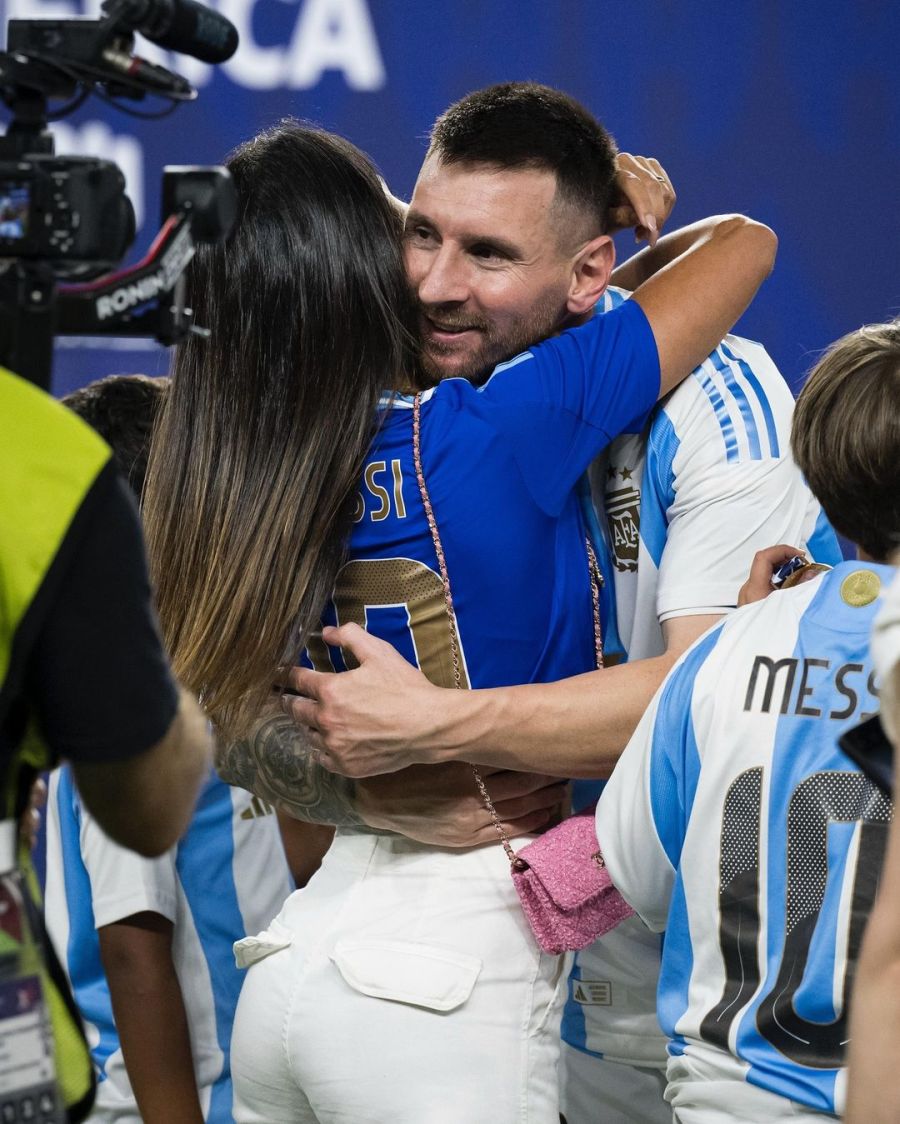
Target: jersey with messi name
734, 822
684, 503
501, 464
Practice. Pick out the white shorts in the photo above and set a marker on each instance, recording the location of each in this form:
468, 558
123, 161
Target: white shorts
409, 991
596, 1091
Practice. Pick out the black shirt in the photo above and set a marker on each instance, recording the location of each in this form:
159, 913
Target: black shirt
94, 670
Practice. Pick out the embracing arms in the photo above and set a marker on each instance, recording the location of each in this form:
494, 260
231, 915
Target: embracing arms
276, 763
695, 283
573, 728
437, 805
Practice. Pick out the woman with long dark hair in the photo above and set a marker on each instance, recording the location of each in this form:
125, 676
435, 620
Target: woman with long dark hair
258, 455
303, 473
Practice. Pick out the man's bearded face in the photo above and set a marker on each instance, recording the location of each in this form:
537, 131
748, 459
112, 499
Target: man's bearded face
483, 258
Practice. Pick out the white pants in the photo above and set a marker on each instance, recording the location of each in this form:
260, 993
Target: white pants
410, 992
595, 1091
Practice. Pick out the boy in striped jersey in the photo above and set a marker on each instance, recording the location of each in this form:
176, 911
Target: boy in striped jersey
734, 822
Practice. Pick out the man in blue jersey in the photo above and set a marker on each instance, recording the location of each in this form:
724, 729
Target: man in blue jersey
420, 951
683, 504
734, 822
147, 943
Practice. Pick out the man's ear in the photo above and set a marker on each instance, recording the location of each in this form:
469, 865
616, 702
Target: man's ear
590, 274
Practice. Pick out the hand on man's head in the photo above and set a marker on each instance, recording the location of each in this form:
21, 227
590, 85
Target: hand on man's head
643, 198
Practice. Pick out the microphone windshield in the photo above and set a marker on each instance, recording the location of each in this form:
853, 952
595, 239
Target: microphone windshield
189, 28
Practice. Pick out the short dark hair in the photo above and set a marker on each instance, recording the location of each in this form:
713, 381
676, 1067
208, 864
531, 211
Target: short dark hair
526, 125
846, 436
122, 409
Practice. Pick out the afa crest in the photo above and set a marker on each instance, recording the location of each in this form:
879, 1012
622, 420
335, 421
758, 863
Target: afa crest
623, 510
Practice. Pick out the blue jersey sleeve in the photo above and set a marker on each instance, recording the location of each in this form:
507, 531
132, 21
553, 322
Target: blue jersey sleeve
563, 401
674, 758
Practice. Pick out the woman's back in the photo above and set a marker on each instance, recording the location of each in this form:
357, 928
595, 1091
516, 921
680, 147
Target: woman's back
501, 463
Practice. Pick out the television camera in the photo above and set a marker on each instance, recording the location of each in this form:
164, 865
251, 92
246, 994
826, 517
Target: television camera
65, 221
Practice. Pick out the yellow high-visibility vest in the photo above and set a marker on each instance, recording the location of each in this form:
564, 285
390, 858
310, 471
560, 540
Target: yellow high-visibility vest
49, 459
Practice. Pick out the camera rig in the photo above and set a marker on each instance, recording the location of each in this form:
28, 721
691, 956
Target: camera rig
65, 221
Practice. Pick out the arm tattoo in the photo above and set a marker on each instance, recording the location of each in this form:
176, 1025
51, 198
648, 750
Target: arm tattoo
275, 763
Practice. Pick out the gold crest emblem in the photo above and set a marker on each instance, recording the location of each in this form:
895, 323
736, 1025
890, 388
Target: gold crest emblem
860, 588
623, 510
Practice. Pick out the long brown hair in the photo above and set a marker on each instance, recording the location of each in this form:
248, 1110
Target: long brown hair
258, 451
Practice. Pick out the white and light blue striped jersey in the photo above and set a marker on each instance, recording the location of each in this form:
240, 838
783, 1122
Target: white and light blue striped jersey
709, 481
683, 506
227, 877
734, 822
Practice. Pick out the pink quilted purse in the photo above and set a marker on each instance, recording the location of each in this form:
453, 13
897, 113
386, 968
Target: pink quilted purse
565, 888
561, 879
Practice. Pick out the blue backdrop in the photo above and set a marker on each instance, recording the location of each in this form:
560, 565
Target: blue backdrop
788, 110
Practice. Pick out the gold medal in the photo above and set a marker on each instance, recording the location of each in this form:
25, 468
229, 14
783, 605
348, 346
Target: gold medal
804, 574
860, 588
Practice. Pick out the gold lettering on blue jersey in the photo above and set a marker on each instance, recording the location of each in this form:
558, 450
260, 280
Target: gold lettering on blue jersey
373, 469
318, 653
380, 492
399, 505
369, 583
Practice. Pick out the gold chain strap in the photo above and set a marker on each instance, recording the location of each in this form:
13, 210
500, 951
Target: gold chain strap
596, 583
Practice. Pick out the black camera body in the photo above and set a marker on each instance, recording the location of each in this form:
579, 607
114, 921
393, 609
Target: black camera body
67, 218
68, 211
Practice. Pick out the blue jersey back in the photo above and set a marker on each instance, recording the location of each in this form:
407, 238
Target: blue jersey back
502, 463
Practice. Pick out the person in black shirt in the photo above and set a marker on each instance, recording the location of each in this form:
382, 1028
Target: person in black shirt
83, 673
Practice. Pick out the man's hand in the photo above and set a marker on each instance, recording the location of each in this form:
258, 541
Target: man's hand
363, 722
643, 197
441, 805
764, 567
